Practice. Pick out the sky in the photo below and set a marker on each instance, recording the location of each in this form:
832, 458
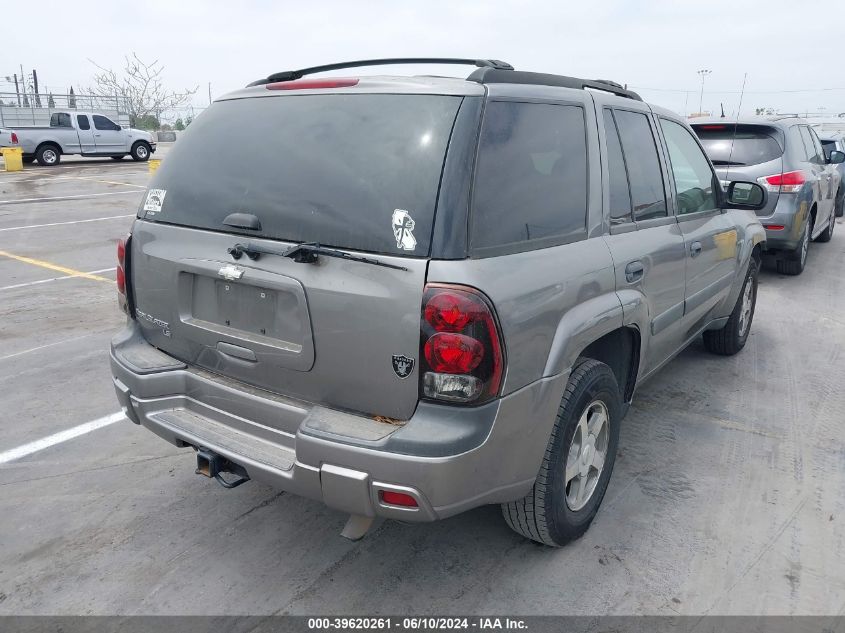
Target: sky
793, 52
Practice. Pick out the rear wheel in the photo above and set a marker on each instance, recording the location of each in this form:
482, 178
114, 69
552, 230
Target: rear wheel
48, 155
793, 262
828, 232
578, 461
731, 338
840, 202
140, 151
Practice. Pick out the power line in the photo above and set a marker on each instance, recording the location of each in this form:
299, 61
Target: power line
738, 91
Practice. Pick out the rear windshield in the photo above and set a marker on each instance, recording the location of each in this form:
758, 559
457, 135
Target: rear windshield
352, 171
752, 144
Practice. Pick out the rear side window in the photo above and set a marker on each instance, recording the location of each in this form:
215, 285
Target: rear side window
644, 174
620, 194
82, 122
531, 176
356, 171
752, 144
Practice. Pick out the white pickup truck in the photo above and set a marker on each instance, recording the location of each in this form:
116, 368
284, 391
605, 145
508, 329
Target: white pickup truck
85, 133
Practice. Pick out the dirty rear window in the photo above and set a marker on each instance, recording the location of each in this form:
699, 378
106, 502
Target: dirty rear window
752, 144
351, 171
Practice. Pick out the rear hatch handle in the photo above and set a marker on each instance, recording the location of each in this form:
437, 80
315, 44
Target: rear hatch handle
305, 253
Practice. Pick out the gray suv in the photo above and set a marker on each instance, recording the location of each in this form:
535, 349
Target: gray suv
407, 297
786, 157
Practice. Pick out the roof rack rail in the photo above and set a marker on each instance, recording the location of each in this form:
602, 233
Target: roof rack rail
291, 75
493, 75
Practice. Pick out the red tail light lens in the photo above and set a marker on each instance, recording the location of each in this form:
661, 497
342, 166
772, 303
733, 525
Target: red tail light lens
120, 276
14, 138
453, 353
398, 499
311, 84
462, 354
787, 182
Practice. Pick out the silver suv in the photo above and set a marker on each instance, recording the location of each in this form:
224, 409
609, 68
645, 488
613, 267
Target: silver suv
786, 157
411, 296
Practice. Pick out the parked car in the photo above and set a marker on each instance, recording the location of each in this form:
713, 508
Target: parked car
785, 156
356, 309
835, 142
85, 133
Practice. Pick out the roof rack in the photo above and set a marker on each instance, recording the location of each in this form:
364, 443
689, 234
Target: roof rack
291, 75
492, 75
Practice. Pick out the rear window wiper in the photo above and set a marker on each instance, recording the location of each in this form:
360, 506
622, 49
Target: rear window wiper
305, 253
727, 162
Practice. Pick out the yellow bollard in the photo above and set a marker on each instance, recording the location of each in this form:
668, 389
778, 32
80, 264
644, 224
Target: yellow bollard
154, 164
13, 157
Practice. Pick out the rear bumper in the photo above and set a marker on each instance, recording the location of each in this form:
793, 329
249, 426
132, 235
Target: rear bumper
449, 459
790, 213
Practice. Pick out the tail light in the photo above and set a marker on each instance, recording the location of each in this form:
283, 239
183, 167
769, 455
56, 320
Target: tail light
14, 138
787, 182
462, 356
311, 84
121, 275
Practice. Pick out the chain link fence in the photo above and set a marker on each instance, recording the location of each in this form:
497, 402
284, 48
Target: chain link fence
19, 109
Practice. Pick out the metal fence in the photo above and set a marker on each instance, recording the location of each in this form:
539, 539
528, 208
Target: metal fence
19, 109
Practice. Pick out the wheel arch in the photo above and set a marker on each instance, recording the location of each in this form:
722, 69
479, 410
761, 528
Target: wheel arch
620, 350
51, 143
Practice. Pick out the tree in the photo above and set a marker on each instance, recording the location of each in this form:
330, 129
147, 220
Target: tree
140, 87
764, 111
179, 124
50, 101
146, 122
71, 99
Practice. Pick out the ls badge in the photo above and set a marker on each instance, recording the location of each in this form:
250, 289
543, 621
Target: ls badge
402, 365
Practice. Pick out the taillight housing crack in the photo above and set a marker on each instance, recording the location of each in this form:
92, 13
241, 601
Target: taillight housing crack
462, 356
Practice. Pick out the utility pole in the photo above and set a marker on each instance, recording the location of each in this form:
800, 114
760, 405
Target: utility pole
209, 93
17, 90
703, 73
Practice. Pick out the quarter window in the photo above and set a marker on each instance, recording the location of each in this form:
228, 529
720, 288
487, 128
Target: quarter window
60, 119
531, 179
644, 173
692, 174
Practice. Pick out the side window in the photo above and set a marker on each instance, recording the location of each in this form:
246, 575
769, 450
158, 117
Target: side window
644, 173
693, 177
818, 150
531, 177
620, 193
809, 148
104, 123
82, 122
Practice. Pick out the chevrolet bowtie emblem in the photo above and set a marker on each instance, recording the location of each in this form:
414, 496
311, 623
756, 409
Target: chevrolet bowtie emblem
231, 273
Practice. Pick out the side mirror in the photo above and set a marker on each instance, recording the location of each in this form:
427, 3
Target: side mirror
745, 195
836, 157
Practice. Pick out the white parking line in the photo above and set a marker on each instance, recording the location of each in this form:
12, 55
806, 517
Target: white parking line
81, 195
35, 349
58, 438
44, 281
39, 226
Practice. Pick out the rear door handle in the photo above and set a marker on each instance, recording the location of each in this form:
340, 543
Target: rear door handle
694, 249
634, 271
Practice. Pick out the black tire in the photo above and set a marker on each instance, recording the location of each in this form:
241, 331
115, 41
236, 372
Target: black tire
731, 338
118, 157
48, 155
28, 159
839, 207
828, 232
544, 514
140, 152
793, 262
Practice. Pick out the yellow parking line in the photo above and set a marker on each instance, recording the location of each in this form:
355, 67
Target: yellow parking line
61, 269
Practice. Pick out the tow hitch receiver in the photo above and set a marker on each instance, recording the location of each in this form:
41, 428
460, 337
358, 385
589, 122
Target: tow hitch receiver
210, 464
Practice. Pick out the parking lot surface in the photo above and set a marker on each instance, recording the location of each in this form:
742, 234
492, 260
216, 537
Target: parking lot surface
727, 496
